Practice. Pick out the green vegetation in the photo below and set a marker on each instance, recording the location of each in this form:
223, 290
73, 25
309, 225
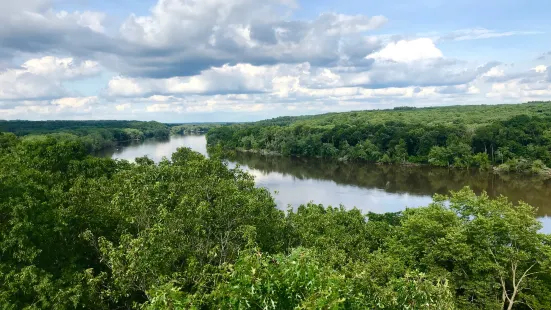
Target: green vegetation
95, 135
180, 129
508, 137
189, 233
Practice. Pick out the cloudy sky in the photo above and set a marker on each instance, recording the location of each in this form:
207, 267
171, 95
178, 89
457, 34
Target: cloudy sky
239, 60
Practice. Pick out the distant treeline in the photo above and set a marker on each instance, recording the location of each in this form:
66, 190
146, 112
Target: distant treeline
508, 137
181, 129
95, 135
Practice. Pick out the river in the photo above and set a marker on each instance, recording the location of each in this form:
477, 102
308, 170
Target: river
369, 187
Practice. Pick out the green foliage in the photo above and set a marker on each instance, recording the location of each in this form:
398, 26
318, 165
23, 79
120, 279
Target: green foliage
401, 151
461, 137
440, 156
95, 135
195, 128
190, 233
298, 280
385, 159
7, 141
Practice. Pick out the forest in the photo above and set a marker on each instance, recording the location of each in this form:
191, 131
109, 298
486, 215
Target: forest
507, 138
180, 129
95, 135
85, 232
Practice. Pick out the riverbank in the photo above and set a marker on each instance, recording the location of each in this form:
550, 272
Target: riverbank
514, 138
540, 171
367, 186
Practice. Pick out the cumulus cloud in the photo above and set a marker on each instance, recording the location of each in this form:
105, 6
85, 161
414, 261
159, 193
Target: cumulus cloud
540, 69
184, 37
160, 107
15, 7
437, 72
408, 51
506, 73
66, 108
61, 68
41, 78
91, 20
496, 71
241, 78
302, 80
227, 79
75, 102
23, 85
515, 89
235, 56
32, 26
529, 85
122, 107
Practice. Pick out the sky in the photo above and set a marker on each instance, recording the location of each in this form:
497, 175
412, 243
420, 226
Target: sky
245, 60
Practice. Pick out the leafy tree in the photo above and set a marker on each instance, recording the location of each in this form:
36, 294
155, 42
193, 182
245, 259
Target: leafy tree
440, 156
385, 159
401, 152
491, 250
188, 232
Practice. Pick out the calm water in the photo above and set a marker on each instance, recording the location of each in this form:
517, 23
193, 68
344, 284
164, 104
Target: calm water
369, 187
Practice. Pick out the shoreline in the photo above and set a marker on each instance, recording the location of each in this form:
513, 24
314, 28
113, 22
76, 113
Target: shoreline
492, 169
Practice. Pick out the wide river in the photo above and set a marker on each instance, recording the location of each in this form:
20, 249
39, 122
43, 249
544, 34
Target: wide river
369, 187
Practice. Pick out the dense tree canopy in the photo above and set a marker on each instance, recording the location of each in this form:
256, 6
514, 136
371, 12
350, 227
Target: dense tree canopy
508, 137
180, 129
189, 233
95, 135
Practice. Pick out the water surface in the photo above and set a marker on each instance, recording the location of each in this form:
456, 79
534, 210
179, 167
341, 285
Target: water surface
369, 187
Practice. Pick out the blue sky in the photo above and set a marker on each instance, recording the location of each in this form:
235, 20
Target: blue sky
239, 60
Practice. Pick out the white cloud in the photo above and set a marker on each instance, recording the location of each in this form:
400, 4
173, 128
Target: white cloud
122, 86
158, 107
530, 85
87, 19
23, 85
515, 89
159, 98
495, 72
16, 7
472, 90
75, 102
122, 107
240, 78
64, 108
195, 35
41, 78
341, 24
293, 81
189, 57
540, 69
408, 51
33, 26
483, 33
61, 68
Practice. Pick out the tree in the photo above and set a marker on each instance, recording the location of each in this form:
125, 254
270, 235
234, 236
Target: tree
385, 159
481, 160
84, 232
401, 151
490, 249
328, 150
440, 156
